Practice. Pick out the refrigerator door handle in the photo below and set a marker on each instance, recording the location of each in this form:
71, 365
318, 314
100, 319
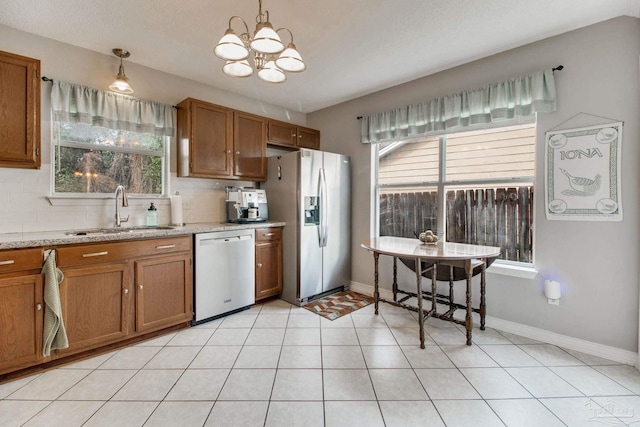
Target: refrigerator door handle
324, 209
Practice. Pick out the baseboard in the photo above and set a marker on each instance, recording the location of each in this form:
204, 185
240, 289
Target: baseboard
571, 343
368, 290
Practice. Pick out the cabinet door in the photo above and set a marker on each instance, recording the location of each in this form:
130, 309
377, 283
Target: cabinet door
268, 269
21, 318
308, 138
210, 140
19, 111
281, 133
163, 292
96, 305
250, 146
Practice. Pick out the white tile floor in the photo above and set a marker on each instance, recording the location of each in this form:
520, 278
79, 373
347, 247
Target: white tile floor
279, 365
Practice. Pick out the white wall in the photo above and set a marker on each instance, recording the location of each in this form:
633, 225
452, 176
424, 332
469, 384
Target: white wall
597, 263
23, 203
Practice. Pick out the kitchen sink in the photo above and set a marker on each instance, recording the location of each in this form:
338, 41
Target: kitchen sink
116, 230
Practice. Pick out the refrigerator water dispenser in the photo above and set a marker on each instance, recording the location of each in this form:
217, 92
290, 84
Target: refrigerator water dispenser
311, 210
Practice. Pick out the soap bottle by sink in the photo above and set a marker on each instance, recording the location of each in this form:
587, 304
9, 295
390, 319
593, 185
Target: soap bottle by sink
152, 216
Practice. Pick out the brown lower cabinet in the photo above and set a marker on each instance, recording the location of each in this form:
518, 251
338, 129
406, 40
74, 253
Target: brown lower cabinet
95, 303
21, 308
268, 262
114, 291
163, 291
110, 292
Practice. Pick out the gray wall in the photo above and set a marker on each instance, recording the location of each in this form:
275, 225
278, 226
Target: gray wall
597, 263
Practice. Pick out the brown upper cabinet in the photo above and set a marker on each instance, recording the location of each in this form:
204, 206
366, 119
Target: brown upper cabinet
218, 142
205, 139
289, 135
250, 146
19, 111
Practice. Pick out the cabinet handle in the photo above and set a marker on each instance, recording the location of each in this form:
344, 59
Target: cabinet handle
269, 234
165, 247
237, 152
95, 254
125, 291
259, 265
228, 151
299, 136
140, 287
294, 135
9, 262
39, 307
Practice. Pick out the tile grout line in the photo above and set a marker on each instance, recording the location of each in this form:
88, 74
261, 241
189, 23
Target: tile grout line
275, 376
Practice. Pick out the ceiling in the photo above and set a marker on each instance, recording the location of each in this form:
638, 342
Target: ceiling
351, 47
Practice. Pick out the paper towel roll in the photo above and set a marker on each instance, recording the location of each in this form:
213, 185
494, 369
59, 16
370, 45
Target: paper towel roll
176, 210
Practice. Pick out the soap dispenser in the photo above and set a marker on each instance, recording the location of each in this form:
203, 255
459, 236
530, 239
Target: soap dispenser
152, 216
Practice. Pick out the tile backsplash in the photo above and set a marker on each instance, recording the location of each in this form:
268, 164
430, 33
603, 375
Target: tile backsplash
25, 206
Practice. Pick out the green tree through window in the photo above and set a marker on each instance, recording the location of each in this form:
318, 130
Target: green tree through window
92, 159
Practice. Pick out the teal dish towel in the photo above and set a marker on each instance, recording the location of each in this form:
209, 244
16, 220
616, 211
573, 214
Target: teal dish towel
54, 333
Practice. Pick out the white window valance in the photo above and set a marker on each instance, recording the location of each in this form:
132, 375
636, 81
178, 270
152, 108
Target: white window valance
75, 103
519, 97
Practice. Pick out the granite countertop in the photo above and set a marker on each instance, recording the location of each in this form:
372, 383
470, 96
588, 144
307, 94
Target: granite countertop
56, 238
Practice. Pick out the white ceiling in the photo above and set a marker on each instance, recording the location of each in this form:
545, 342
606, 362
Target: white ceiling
351, 47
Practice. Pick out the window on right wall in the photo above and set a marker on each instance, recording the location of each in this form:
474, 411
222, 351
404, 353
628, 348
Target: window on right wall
469, 187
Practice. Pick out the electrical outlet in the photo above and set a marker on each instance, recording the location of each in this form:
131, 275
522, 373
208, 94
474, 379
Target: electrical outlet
553, 301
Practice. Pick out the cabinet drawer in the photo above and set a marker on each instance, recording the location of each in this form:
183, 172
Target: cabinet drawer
92, 254
108, 252
162, 246
268, 234
20, 260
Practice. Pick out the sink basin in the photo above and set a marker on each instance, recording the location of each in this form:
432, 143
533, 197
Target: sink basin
156, 227
116, 230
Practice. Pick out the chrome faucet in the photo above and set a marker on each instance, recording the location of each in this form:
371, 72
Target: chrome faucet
120, 189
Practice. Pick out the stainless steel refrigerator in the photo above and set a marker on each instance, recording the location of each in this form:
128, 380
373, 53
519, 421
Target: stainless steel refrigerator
311, 191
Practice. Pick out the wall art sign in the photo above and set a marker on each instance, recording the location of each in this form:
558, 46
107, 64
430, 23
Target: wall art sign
582, 173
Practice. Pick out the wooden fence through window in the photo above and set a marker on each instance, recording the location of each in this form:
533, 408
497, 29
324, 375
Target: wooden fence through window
493, 217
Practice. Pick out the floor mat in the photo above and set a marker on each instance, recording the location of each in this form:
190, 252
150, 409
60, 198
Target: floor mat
334, 306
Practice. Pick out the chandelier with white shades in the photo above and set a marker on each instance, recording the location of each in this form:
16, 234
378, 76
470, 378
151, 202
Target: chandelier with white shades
270, 57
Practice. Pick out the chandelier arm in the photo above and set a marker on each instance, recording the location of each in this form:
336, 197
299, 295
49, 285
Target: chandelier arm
288, 31
246, 27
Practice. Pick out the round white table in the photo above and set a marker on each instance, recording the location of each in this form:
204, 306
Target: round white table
455, 255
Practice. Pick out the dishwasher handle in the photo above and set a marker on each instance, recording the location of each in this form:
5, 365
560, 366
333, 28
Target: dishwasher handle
223, 240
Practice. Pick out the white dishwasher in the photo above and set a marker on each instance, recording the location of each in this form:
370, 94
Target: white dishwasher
224, 273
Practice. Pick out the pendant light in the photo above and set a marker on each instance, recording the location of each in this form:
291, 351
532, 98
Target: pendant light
270, 56
121, 83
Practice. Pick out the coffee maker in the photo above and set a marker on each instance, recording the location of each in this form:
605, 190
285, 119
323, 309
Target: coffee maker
246, 205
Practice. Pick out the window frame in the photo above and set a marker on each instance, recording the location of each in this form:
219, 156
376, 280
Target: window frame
442, 185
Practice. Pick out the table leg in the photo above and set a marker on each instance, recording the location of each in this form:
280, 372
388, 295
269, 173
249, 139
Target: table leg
451, 308
468, 319
434, 279
376, 255
483, 302
419, 296
395, 279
